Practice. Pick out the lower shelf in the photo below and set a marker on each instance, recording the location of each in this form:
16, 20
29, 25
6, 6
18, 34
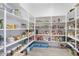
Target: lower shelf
50, 41
18, 52
73, 47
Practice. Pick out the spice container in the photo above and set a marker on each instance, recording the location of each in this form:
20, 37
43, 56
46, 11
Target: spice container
24, 52
77, 25
20, 46
24, 34
12, 52
58, 19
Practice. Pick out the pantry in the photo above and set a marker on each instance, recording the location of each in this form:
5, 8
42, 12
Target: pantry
21, 32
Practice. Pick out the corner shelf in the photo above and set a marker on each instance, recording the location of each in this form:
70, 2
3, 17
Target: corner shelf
25, 46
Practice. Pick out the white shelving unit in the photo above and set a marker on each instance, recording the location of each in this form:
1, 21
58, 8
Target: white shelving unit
73, 31
46, 27
17, 21
25, 21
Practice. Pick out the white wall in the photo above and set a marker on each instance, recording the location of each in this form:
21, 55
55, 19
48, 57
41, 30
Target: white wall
47, 9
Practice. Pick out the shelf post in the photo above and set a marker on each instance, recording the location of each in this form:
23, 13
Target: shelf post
66, 28
51, 28
28, 28
34, 28
75, 26
4, 29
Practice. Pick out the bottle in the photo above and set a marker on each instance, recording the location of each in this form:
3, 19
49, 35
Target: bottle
1, 24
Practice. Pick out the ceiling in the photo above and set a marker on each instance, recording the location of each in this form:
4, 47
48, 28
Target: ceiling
47, 9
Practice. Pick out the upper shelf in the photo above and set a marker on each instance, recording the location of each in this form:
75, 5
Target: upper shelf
12, 16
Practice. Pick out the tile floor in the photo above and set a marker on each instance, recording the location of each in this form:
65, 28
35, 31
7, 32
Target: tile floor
53, 50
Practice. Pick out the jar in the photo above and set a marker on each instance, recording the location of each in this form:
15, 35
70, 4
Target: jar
17, 12
12, 52
17, 37
11, 39
24, 34
9, 53
23, 25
